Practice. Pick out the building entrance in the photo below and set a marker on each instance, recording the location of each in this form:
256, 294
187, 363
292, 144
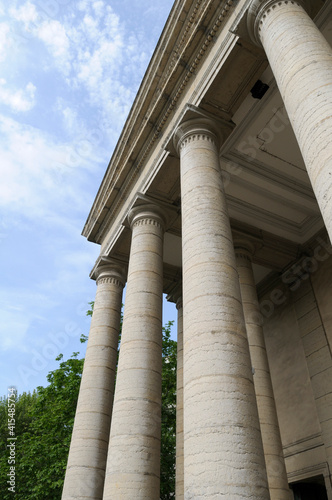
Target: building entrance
312, 488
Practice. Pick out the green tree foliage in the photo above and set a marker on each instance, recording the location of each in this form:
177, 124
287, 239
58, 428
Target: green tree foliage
168, 415
23, 420
44, 422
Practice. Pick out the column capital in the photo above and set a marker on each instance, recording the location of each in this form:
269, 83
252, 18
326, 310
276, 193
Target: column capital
197, 124
259, 10
244, 249
195, 129
147, 214
111, 273
176, 295
201, 128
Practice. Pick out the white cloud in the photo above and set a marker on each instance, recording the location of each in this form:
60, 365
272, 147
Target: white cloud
54, 35
44, 178
98, 7
70, 118
18, 100
27, 14
86, 60
94, 53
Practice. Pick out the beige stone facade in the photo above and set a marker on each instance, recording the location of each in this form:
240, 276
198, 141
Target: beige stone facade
218, 194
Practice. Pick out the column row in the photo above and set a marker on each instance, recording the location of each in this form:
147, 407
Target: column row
228, 441
219, 440
122, 460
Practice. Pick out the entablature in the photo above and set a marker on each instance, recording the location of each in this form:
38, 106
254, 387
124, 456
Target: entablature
176, 74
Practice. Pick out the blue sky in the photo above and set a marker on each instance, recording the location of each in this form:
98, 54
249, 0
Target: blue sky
69, 72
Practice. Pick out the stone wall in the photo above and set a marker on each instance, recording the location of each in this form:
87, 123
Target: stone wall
298, 332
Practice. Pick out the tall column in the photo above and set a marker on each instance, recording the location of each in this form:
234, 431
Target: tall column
133, 463
301, 60
179, 490
274, 458
88, 449
223, 452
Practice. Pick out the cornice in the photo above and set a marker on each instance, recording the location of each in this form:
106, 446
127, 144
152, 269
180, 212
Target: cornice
195, 62
141, 129
177, 57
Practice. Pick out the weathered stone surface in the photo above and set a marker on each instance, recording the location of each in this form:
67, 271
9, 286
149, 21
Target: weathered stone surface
179, 480
223, 454
274, 458
133, 463
201, 66
88, 450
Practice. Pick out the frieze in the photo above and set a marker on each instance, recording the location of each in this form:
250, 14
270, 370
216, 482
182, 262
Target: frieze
159, 127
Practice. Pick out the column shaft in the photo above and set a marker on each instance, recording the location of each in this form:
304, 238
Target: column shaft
179, 486
223, 453
274, 458
301, 60
133, 463
88, 450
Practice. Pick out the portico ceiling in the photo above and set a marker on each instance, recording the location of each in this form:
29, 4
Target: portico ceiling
265, 178
266, 181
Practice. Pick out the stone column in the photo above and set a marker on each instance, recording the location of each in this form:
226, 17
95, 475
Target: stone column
223, 452
133, 463
179, 491
301, 60
88, 449
274, 458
